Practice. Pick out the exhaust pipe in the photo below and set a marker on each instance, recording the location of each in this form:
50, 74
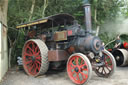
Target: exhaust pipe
88, 22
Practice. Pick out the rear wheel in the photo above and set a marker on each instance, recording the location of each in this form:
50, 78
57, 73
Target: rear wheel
109, 65
79, 68
34, 55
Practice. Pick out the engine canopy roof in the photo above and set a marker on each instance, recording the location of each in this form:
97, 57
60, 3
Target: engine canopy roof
50, 21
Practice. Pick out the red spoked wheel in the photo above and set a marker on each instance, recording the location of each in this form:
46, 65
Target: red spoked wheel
34, 55
109, 65
79, 68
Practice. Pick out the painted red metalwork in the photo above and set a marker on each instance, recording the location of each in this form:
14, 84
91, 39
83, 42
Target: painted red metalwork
77, 70
110, 50
108, 62
69, 32
125, 44
31, 58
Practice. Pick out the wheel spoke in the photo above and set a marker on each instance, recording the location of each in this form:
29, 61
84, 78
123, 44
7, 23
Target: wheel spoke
28, 62
38, 62
38, 53
33, 45
77, 60
110, 62
30, 69
36, 67
82, 65
98, 68
81, 62
84, 75
73, 65
78, 77
26, 59
39, 58
36, 49
27, 54
75, 77
107, 57
73, 72
104, 71
85, 69
30, 52
31, 49
108, 68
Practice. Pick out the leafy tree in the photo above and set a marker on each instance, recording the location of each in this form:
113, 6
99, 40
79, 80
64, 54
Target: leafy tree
124, 9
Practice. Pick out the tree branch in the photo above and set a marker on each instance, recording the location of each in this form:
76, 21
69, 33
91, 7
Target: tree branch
44, 7
32, 9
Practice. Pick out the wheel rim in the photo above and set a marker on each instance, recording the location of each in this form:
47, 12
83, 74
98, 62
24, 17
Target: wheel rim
107, 68
77, 69
31, 58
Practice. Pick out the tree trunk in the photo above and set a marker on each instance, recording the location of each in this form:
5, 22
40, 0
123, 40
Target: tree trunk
44, 7
3, 19
3, 11
32, 9
3, 33
95, 17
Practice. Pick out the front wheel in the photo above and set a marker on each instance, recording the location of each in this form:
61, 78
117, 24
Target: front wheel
109, 65
79, 68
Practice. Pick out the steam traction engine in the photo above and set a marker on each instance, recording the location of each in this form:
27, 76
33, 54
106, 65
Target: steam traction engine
59, 39
121, 54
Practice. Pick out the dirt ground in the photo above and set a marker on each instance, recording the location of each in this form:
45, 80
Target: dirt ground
120, 77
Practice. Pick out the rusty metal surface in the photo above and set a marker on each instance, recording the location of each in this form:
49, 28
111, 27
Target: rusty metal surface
57, 55
59, 36
32, 33
42, 37
71, 49
89, 43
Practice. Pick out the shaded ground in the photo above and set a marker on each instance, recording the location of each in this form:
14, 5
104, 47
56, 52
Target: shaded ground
61, 78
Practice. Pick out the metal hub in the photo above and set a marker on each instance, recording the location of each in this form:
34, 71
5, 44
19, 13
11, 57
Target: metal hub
117, 58
98, 44
33, 58
77, 69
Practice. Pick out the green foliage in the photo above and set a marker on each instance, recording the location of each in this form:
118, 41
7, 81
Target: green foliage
105, 38
17, 50
107, 10
124, 8
124, 37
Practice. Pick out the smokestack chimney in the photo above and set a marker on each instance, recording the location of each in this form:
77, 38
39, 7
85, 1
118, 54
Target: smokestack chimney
87, 9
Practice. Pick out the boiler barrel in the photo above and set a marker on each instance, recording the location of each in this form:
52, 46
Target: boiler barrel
88, 43
121, 57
